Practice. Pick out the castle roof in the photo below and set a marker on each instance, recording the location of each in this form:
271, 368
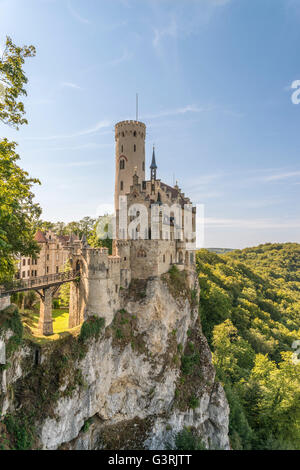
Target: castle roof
40, 237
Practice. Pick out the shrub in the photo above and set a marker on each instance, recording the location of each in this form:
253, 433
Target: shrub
91, 328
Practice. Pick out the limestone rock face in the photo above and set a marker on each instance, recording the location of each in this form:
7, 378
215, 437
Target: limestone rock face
127, 399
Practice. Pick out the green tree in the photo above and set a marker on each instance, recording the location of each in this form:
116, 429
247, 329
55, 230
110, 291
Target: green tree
18, 212
13, 81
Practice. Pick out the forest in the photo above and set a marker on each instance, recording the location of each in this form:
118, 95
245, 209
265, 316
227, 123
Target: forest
250, 312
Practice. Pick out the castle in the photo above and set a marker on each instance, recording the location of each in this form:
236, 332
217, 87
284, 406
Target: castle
153, 229
150, 234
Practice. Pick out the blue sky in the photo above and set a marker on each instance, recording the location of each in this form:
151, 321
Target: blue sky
214, 80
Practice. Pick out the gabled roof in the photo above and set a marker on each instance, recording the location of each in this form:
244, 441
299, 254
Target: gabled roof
40, 237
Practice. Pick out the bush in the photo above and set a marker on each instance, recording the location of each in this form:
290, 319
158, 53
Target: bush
187, 440
91, 328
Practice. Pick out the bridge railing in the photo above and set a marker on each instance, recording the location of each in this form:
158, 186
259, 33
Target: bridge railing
35, 282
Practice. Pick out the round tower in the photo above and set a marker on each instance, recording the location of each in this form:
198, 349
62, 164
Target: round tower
130, 155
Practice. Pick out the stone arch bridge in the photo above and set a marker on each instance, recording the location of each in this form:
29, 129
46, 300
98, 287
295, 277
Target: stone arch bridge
45, 286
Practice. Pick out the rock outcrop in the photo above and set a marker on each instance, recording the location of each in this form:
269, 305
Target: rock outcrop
138, 383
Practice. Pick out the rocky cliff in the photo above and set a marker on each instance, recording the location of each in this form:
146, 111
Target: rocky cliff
133, 384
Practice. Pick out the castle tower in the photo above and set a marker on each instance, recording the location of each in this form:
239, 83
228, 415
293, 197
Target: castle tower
130, 154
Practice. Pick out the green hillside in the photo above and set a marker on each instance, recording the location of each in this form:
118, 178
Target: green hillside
250, 311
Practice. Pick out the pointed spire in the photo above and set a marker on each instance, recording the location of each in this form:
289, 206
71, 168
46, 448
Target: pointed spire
153, 164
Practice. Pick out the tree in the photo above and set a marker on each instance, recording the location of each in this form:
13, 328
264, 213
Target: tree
18, 212
13, 79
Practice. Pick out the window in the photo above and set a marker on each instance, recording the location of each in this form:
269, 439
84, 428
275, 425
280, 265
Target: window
116, 289
23, 274
122, 164
123, 134
164, 258
35, 273
47, 270
47, 257
28, 262
134, 148
134, 133
122, 148
121, 186
32, 273
144, 185
28, 273
24, 262
57, 270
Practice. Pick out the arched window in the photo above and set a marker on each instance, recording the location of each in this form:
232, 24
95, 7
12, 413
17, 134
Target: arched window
122, 164
141, 253
164, 258
122, 148
121, 186
134, 133
134, 148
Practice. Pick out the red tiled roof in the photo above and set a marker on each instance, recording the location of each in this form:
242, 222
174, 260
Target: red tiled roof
40, 237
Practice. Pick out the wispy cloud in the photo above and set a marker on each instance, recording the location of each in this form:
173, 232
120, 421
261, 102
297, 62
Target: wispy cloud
255, 224
169, 31
70, 85
92, 130
76, 15
190, 108
84, 163
119, 60
278, 176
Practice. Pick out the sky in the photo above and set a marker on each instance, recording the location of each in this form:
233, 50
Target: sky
214, 81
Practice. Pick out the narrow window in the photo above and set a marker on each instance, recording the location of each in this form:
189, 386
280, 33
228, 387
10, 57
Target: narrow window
24, 262
56, 269
122, 148
47, 269
134, 148
23, 274
134, 133
121, 186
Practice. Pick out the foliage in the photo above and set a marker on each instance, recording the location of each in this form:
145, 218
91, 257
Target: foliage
13, 80
17, 211
10, 319
91, 328
249, 307
94, 240
82, 227
187, 440
64, 290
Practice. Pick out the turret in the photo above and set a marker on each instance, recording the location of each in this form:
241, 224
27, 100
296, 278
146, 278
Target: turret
130, 154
